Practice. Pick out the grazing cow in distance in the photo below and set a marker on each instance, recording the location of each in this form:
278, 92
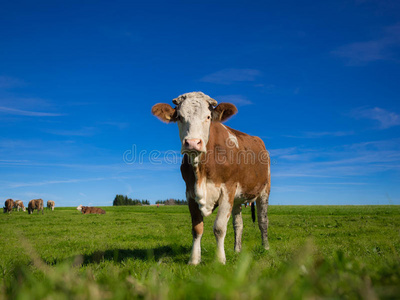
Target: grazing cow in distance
50, 204
90, 210
35, 204
18, 204
8, 205
222, 167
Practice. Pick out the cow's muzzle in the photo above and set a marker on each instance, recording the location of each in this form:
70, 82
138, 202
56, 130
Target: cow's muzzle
193, 145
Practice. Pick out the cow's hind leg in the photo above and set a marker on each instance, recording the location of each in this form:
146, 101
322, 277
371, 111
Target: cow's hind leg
220, 226
262, 216
197, 232
237, 226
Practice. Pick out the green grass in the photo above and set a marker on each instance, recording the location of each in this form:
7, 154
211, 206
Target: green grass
315, 252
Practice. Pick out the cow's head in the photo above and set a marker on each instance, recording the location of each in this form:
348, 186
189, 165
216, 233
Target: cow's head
194, 113
79, 207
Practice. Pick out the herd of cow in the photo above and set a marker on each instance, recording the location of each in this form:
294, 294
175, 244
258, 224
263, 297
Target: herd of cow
37, 204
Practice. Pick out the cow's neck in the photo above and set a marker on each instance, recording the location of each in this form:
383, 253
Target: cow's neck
195, 160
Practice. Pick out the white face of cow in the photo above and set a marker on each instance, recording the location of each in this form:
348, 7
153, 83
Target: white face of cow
194, 120
194, 113
79, 207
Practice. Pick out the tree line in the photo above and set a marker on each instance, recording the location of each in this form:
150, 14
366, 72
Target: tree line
124, 200
172, 202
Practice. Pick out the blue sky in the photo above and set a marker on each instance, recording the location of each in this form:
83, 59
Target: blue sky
317, 81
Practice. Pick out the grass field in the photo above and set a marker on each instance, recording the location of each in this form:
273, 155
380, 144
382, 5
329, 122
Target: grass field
315, 252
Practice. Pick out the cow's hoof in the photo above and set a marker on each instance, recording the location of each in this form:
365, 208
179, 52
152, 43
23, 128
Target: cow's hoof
193, 262
222, 260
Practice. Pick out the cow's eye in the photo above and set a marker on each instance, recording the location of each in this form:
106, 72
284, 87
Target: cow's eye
209, 117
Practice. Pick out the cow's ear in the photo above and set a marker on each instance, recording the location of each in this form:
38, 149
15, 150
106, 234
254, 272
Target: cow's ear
164, 112
223, 112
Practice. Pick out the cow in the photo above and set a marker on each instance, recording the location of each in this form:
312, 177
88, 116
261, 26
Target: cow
222, 167
8, 205
35, 204
50, 204
18, 204
90, 210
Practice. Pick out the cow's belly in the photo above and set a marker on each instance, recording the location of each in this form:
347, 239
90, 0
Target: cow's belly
243, 196
241, 200
206, 196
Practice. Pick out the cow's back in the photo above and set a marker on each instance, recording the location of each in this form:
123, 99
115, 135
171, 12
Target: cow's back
35, 204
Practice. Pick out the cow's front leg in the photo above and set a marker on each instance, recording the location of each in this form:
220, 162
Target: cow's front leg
237, 226
197, 232
220, 225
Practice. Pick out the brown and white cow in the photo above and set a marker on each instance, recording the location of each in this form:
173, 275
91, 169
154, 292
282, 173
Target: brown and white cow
90, 210
18, 204
35, 204
221, 167
50, 204
8, 205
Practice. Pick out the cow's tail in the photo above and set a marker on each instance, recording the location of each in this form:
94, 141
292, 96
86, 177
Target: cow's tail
253, 212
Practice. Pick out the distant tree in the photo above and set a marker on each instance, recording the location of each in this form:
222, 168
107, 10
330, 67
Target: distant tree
118, 200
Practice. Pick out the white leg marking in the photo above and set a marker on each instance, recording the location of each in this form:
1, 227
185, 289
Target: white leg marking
195, 257
220, 225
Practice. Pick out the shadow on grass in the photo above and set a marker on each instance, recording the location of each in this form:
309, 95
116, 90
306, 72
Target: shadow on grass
176, 254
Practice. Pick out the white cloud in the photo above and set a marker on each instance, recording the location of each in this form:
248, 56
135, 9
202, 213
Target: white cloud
40, 195
344, 161
229, 76
386, 119
47, 182
20, 112
363, 52
85, 131
282, 151
120, 125
238, 100
10, 82
314, 135
384, 48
